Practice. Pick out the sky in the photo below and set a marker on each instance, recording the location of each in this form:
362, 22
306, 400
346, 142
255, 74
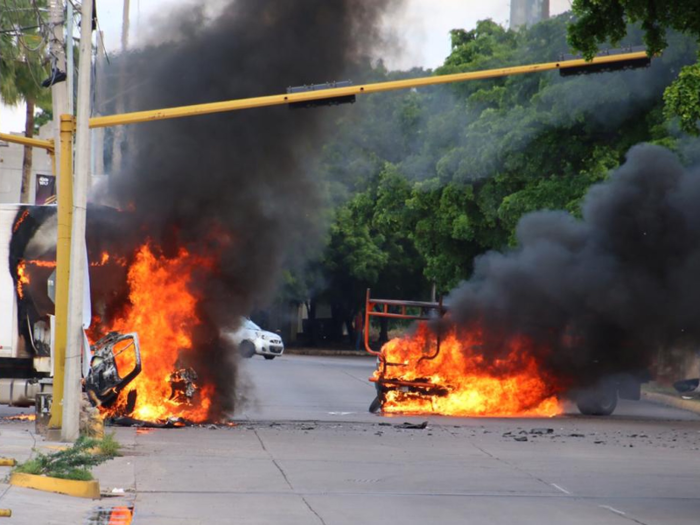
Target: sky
423, 28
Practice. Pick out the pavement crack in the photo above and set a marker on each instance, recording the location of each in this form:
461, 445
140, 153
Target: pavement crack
323, 522
274, 461
284, 474
621, 513
286, 479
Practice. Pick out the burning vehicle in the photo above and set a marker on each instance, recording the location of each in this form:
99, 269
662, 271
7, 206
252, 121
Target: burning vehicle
27, 289
443, 371
126, 288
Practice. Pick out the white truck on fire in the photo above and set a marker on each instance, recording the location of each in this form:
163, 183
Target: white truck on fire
25, 344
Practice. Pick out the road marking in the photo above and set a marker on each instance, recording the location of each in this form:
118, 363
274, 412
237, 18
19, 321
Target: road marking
612, 509
560, 488
340, 413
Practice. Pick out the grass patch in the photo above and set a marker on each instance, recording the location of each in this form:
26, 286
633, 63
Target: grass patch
74, 462
109, 446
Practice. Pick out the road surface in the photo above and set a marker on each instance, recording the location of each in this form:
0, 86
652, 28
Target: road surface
306, 451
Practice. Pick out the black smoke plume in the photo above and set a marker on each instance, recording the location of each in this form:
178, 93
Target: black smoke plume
604, 294
236, 184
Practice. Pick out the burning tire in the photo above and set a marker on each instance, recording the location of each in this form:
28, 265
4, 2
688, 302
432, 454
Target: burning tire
375, 406
247, 349
600, 401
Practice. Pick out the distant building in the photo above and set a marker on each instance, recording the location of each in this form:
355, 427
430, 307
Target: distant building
41, 184
528, 12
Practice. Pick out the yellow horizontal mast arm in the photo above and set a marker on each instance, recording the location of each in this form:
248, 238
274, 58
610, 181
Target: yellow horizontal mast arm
24, 141
279, 100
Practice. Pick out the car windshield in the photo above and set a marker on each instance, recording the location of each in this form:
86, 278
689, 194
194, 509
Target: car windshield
250, 325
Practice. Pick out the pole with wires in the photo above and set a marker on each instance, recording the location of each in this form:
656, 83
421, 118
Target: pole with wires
78, 256
59, 99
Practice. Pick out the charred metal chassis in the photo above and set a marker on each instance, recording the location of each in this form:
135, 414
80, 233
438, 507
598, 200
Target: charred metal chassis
397, 309
104, 383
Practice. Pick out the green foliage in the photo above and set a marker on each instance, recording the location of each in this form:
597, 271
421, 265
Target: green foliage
423, 181
682, 99
600, 22
109, 446
24, 60
74, 462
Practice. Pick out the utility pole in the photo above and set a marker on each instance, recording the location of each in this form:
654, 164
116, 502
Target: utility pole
59, 101
70, 69
78, 254
98, 157
118, 137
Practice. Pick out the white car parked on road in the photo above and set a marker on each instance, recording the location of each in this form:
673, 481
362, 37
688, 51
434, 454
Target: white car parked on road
251, 340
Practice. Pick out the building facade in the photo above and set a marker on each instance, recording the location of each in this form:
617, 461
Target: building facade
42, 184
528, 12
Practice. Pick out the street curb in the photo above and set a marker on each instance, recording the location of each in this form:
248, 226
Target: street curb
327, 353
672, 401
68, 487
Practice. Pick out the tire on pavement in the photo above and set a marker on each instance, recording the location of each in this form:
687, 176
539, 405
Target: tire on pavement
376, 405
600, 401
269, 357
247, 349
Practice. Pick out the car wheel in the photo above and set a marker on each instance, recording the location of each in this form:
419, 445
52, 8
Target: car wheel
600, 401
247, 349
375, 406
269, 357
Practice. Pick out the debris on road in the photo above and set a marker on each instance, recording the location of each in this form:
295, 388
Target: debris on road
541, 431
521, 438
413, 426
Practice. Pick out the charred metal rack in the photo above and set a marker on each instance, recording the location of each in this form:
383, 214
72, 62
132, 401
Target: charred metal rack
412, 311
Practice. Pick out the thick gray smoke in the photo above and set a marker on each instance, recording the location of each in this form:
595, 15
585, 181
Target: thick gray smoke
600, 295
234, 185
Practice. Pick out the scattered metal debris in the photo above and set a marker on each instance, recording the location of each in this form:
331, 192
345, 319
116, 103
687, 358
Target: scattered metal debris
182, 385
413, 426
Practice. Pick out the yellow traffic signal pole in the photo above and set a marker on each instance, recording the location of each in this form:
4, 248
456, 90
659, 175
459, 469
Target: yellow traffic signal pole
24, 141
362, 89
63, 241
65, 181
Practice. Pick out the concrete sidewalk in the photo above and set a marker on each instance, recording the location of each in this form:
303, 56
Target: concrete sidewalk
18, 441
669, 397
328, 352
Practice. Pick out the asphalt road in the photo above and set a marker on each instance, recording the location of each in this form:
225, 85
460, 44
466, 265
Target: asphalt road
306, 451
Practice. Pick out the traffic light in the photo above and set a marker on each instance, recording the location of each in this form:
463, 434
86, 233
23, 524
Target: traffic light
331, 101
631, 63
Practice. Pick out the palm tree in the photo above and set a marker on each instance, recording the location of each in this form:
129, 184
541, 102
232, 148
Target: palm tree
24, 64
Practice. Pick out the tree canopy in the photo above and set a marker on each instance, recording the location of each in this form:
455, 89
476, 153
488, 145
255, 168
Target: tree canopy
609, 21
423, 181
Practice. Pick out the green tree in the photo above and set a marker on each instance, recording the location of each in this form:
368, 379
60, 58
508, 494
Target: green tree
600, 22
23, 66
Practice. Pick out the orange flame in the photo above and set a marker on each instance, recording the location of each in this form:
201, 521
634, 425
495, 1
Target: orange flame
464, 384
19, 222
22, 278
21, 417
162, 311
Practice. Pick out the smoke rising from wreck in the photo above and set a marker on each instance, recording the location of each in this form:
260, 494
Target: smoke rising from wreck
601, 295
234, 186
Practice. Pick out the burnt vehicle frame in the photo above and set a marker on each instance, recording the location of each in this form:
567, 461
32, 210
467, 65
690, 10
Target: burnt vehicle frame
599, 399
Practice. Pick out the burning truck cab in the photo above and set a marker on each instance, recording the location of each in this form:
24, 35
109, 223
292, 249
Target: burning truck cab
27, 327
440, 369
